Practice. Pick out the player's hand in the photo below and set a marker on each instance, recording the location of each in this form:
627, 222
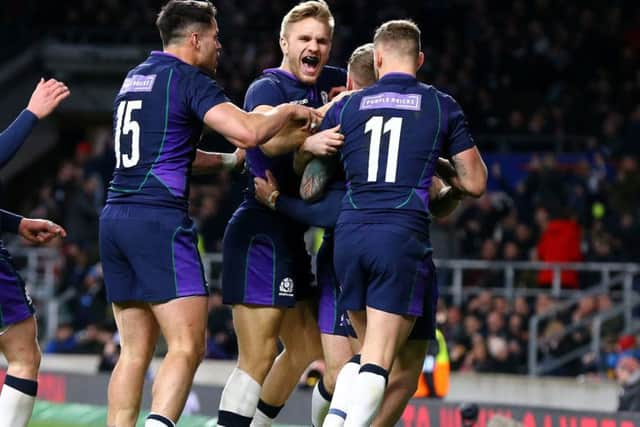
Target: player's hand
266, 190
325, 143
40, 230
241, 156
310, 116
46, 97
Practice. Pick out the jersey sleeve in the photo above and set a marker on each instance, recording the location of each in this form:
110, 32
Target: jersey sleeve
332, 117
9, 222
203, 93
12, 138
263, 92
458, 138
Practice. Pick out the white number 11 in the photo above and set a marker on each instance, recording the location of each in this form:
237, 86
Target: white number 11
377, 127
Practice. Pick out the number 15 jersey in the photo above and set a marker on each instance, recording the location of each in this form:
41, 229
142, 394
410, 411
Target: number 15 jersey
158, 116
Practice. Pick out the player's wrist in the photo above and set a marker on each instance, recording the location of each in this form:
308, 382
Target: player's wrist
229, 160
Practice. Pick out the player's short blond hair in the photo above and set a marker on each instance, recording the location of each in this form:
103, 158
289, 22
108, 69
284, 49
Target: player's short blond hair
402, 35
361, 65
317, 9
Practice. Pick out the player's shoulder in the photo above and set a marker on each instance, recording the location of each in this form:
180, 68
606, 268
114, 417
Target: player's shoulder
265, 81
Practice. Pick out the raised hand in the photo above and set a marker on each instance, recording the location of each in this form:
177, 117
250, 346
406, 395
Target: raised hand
46, 97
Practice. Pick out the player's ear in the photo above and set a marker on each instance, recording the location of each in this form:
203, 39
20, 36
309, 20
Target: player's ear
377, 58
420, 59
284, 45
349, 82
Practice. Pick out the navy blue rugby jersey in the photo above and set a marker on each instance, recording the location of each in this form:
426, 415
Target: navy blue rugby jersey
394, 132
274, 87
157, 122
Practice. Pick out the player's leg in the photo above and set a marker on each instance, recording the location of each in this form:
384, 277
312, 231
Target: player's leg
19, 345
257, 331
403, 381
138, 333
385, 334
301, 340
182, 322
337, 352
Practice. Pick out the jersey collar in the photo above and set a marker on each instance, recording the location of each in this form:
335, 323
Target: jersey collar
397, 76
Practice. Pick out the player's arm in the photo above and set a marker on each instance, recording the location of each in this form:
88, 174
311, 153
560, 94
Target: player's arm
323, 213
208, 161
45, 98
316, 176
443, 198
297, 137
466, 172
248, 130
34, 230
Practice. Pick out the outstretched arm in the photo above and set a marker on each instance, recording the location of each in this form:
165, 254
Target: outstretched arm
45, 98
248, 130
209, 161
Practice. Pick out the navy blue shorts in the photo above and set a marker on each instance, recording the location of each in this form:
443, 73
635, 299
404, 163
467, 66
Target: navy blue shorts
265, 261
149, 254
384, 266
15, 303
331, 320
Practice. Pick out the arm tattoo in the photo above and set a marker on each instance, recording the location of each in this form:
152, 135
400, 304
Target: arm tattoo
316, 176
460, 168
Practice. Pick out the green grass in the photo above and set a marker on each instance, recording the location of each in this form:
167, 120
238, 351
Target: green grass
46, 414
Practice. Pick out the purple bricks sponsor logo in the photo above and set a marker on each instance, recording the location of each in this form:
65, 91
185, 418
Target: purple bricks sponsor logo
138, 83
397, 101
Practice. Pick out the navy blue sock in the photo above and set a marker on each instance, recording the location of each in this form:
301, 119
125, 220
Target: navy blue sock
160, 418
323, 391
29, 387
269, 410
229, 419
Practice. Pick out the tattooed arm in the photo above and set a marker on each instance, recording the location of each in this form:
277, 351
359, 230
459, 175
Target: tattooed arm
466, 172
316, 176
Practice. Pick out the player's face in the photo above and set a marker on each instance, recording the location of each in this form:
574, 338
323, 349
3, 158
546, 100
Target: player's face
306, 49
209, 48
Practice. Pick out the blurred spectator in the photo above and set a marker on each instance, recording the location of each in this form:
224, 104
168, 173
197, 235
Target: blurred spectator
628, 373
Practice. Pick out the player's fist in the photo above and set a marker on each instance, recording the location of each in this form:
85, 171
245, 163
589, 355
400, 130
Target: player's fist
46, 97
266, 190
40, 230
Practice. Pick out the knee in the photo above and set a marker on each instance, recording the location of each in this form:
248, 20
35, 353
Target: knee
26, 364
258, 362
193, 351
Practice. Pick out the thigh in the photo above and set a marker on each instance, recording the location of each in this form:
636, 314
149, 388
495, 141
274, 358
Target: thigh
137, 328
258, 265
257, 328
182, 321
384, 336
15, 303
19, 341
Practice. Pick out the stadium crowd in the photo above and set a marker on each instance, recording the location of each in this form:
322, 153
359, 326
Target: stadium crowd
526, 71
